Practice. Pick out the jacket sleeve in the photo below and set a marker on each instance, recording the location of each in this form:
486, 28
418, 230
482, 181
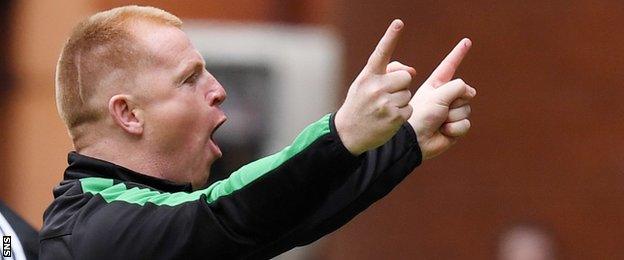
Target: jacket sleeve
257, 205
381, 170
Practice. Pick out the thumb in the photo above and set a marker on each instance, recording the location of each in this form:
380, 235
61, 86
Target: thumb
451, 91
396, 66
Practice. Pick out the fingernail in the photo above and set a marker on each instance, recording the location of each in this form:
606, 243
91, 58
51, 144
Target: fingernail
398, 24
467, 42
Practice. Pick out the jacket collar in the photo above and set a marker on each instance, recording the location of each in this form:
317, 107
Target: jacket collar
82, 166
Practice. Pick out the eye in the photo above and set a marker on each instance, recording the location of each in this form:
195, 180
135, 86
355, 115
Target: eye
192, 79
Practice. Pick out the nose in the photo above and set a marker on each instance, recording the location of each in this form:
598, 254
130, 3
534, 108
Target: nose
218, 95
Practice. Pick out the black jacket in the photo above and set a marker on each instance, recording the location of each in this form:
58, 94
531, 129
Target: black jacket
292, 198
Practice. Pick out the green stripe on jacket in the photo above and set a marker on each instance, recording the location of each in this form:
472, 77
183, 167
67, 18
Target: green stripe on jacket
239, 179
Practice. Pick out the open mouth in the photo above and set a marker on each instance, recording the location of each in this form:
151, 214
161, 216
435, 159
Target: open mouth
217, 127
212, 145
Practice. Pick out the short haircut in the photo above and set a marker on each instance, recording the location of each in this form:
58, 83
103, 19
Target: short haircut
101, 51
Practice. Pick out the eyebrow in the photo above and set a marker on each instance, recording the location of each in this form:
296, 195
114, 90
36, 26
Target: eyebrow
189, 68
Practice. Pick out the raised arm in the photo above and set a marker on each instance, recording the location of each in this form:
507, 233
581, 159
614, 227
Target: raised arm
385, 167
377, 102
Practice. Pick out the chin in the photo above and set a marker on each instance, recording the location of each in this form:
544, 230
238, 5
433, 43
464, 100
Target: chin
201, 182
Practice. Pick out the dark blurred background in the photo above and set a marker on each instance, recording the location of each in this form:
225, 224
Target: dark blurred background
544, 149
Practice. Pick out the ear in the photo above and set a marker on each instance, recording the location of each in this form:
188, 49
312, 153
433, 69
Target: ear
126, 114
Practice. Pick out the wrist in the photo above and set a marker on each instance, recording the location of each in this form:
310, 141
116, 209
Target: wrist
346, 135
422, 138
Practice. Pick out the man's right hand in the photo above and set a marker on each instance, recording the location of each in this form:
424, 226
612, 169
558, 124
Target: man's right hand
377, 102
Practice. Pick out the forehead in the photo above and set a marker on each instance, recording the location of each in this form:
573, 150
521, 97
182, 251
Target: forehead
167, 45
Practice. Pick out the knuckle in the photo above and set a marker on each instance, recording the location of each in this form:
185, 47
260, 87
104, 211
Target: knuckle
362, 80
398, 118
408, 112
376, 91
404, 74
409, 108
437, 82
457, 83
383, 106
386, 85
381, 111
407, 96
471, 92
384, 101
429, 117
380, 52
453, 111
373, 58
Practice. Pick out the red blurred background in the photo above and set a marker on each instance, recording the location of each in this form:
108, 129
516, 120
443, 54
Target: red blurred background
544, 147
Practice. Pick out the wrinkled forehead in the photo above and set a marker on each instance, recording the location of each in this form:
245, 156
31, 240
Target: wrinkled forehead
166, 45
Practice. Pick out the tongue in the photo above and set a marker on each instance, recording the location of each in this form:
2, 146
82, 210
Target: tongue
214, 148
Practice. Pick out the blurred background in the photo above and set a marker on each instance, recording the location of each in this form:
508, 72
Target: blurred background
539, 175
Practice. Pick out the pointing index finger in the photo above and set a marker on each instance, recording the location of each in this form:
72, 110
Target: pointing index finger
382, 54
445, 71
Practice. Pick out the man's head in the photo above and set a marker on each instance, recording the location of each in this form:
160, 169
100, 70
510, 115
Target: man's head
133, 90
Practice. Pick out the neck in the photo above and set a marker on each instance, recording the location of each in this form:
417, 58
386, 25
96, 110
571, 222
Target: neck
114, 152
139, 156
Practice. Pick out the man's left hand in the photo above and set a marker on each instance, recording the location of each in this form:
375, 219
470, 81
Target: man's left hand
442, 106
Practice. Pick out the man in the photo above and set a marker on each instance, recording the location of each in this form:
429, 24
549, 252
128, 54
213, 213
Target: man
141, 110
19, 237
